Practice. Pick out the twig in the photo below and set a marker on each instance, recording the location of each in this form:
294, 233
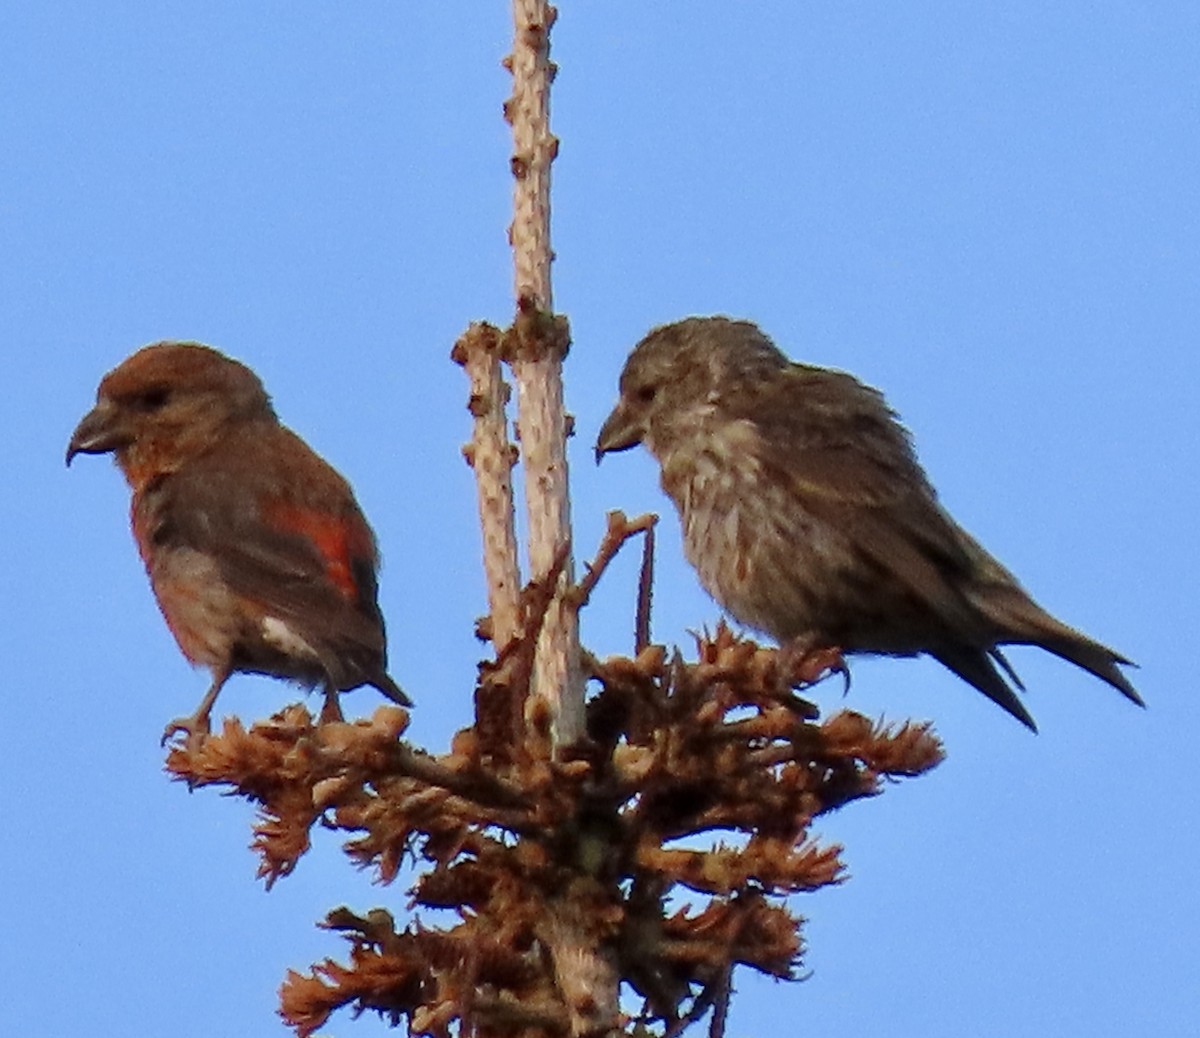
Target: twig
512, 1014
477, 788
641, 631
491, 455
585, 976
540, 343
534, 149
714, 995
620, 529
721, 1004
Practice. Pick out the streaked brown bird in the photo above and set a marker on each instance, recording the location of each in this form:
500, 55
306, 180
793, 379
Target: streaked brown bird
807, 515
258, 554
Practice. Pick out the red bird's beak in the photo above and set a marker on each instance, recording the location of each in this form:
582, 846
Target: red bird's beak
98, 433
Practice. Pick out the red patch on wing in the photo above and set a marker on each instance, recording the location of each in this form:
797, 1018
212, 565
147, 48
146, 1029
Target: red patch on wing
340, 540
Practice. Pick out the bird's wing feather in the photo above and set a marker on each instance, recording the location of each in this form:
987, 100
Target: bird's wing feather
298, 546
851, 464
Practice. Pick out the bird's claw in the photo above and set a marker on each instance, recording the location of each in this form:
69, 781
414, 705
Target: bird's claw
806, 666
196, 729
841, 667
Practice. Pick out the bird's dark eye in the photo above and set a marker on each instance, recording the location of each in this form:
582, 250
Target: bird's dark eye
151, 399
645, 394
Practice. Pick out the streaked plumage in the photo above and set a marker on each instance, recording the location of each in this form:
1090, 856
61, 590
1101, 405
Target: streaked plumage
807, 516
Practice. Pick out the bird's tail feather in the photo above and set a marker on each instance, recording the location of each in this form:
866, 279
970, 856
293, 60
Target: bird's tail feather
390, 689
974, 667
1007, 667
1093, 657
1020, 620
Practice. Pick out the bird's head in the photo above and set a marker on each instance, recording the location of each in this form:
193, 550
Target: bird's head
166, 403
676, 379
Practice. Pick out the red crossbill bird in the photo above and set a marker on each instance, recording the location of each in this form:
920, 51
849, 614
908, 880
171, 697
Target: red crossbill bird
258, 554
808, 517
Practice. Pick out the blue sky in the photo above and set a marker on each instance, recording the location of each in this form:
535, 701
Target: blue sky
989, 211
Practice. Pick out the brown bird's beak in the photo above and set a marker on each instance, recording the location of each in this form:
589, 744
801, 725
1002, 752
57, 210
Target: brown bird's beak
98, 433
619, 432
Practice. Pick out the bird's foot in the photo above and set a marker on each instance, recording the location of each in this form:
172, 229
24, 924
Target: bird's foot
331, 709
196, 729
806, 665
